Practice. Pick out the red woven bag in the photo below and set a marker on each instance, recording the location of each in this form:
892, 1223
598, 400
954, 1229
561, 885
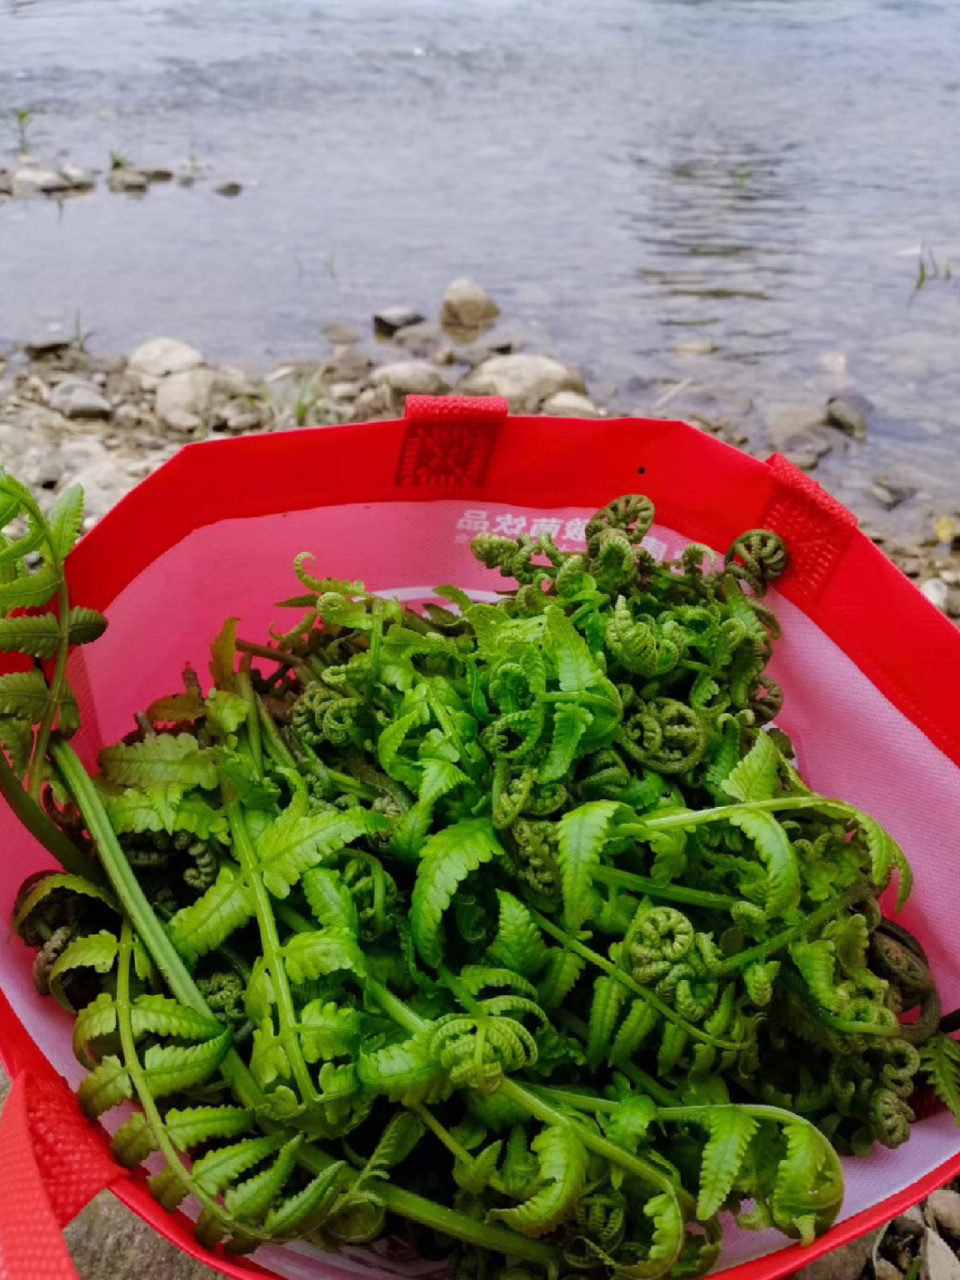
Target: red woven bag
867, 664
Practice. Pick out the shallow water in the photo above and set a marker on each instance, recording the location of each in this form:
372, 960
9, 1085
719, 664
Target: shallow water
734, 192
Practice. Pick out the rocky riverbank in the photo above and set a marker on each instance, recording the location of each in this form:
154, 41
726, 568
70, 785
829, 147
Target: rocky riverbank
69, 414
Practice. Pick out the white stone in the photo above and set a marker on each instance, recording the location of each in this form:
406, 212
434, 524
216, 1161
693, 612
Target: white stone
179, 420
77, 399
570, 404
185, 394
938, 1259
466, 306
524, 380
77, 178
125, 179
411, 378
160, 356
388, 321
30, 182
936, 591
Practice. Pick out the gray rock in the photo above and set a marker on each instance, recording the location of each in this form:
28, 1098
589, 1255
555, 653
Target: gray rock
180, 420
341, 335
524, 380
466, 306
411, 378
345, 390
230, 381
885, 1270
945, 1207
420, 339
127, 179
77, 399
77, 178
6, 183
185, 394
391, 319
938, 1260
785, 422
844, 1263
936, 591
849, 413
30, 181
40, 348
127, 415
240, 418
347, 364
155, 173
161, 356
889, 493
570, 404
107, 1241
228, 189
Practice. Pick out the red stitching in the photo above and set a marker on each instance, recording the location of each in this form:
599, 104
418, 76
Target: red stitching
449, 441
816, 528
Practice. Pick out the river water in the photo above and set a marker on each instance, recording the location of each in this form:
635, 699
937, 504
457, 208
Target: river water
731, 192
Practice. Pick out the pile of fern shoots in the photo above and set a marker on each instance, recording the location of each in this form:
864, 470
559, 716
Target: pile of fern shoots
509, 928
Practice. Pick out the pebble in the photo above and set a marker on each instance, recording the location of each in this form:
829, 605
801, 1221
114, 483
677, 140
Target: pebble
420, 339
412, 378
945, 1207
341, 335
945, 530
347, 364
524, 380
154, 174
845, 1263
938, 1259
127, 415
181, 420
77, 178
161, 356
785, 422
184, 394
467, 306
126, 179
936, 591
228, 189
884, 1269
30, 182
246, 420
849, 413
38, 348
910, 1222
570, 404
392, 319
77, 399
890, 494
6, 183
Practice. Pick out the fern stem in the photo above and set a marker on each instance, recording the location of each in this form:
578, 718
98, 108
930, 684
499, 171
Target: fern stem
34, 779
276, 748
625, 980
445, 1137
146, 1099
233, 1069
634, 1073
270, 941
56, 842
727, 968
609, 1151
668, 892
697, 817
245, 690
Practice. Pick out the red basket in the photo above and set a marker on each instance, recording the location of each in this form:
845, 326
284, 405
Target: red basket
867, 664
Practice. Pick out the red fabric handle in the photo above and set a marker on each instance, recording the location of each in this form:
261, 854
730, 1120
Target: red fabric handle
52, 1162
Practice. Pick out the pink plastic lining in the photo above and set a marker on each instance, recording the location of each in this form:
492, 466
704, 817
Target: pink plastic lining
851, 743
